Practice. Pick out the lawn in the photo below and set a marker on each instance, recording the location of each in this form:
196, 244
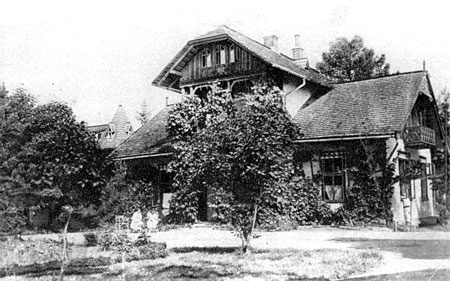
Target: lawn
201, 263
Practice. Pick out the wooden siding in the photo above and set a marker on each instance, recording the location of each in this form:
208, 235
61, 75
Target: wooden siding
245, 64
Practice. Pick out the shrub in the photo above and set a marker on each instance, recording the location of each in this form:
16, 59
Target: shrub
91, 239
108, 240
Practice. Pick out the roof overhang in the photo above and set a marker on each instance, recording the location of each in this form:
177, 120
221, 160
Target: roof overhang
141, 156
345, 138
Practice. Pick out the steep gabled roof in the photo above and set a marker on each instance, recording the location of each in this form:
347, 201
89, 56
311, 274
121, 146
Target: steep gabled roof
148, 139
363, 108
168, 77
120, 121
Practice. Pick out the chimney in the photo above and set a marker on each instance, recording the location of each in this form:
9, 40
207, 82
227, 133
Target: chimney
271, 42
297, 53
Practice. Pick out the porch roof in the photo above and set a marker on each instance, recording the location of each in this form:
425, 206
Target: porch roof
378, 106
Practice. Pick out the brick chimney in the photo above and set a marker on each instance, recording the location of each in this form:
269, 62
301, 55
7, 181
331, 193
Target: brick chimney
297, 53
271, 42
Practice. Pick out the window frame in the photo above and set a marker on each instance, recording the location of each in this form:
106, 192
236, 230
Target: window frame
232, 53
206, 58
333, 174
410, 190
425, 171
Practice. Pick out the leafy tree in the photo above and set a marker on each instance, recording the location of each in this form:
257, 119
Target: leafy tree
122, 195
15, 111
49, 159
351, 60
241, 158
144, 114
441, 189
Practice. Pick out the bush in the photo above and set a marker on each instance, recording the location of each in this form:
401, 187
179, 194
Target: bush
109, 240
91, 239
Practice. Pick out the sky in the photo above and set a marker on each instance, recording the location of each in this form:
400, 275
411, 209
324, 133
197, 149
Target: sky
97, 55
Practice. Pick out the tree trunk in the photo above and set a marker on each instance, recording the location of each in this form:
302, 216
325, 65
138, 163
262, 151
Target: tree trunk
246, 238
64, 255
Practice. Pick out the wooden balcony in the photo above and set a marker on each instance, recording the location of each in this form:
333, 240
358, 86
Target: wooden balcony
419, 137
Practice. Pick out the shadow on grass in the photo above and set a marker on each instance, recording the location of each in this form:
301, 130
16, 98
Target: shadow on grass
209, 250
412, 249
192, 272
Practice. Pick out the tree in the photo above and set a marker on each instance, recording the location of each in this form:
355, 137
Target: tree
241, 158
48, 156
351, 60
442, 173
144, 114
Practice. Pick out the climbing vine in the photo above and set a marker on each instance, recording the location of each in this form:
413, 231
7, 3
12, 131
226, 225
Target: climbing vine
370, 195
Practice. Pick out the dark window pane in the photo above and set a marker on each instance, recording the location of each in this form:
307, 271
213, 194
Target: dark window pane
328, 165
328, 180
339, 180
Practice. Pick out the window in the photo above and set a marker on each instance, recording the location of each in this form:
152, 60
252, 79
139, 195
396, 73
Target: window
232, 54
220, 55
238, 54
333, 177
206, 58
406, 189
425, 171
111, 131
128, 129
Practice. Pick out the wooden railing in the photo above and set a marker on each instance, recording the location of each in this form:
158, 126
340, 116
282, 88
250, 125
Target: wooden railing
419, 136
217, 71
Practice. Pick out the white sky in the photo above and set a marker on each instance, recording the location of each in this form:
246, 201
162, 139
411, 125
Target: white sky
95, 55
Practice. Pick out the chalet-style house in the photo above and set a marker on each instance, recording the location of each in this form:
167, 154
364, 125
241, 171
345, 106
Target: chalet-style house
111, 135
398, 110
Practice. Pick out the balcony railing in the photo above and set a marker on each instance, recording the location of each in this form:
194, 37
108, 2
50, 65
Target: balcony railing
419, 137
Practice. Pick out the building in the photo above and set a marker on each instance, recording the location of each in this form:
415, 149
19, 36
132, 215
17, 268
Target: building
398, 111
111, 135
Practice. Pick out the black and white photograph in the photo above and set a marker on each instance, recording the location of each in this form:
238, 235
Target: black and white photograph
224, 140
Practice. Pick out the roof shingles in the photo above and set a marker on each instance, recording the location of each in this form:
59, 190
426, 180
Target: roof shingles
149, 139
369, 107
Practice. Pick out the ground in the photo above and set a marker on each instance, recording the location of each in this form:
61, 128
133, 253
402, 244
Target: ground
420, 255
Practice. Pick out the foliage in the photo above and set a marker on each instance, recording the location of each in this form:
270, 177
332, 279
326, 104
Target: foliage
91, 239
49, 159
127, 250
144, 114
440, 188
123, 196
370, 196
240, 154
22, 252
351, 60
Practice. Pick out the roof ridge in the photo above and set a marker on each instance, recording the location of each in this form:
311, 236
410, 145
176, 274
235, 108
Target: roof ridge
381, 77
252, 39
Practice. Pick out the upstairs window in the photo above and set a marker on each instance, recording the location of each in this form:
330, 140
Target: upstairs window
206, 58
128, 129
111, 131
232, 54
220, 55
333, 178
238, 54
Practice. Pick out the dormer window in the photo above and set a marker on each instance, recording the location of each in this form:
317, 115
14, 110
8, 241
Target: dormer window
111, 131
206, 58
128, 129
220, 55
232, 54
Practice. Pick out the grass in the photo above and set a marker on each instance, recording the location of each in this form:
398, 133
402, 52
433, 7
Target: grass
412, 249
229, 264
